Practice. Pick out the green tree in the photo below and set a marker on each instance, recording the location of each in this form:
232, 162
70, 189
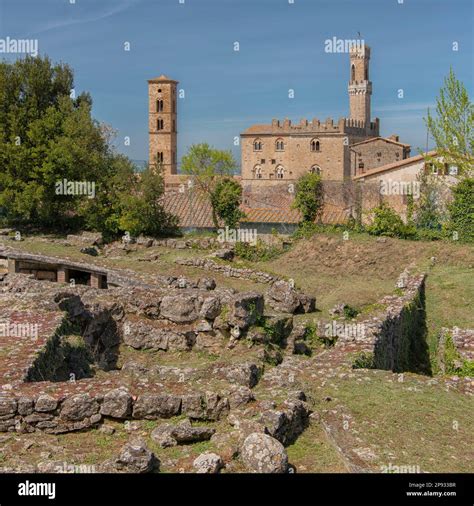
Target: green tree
309, 197
207, 166
142, 211
429, 210
453, 127
461, 210
45, 136
226, 198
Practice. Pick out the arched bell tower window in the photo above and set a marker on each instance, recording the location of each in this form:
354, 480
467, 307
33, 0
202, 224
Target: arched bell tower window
160, 124
353, 72
159, 105
315, 145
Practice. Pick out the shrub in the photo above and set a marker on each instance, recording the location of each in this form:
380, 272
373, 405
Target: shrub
364, 360
226, 199
309, 196
454, 363
315, 340
461, 210
387, 223
261, 252
350, 312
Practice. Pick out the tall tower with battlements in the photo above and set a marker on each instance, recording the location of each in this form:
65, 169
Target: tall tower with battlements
162, 123
360, 87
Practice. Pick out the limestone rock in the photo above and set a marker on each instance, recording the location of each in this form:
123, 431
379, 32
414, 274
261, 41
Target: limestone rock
135, 457
184, 432
208, 463
206, 283
8, 405
79, 407
152, 406
283, 297
117, 404
45, 403
245, 308
263, 454
211, 308
240, 396
180, 308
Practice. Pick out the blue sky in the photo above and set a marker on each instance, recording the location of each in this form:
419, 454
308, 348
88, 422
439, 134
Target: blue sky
281, 47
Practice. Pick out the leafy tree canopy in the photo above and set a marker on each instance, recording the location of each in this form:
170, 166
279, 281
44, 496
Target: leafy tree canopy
453, 127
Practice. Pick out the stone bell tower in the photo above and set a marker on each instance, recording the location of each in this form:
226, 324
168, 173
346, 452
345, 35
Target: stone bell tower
360, 88
162, 123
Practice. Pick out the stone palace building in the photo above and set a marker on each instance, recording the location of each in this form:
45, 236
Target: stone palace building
338, 150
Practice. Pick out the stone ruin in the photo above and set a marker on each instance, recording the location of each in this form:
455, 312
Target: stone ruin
74, 357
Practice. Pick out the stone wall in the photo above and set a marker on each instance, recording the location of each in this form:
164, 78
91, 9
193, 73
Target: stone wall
456, 351
397, 335
227, 270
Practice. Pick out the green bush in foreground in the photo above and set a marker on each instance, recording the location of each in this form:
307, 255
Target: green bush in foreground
259, 252
461, 210
364, 360
386, 222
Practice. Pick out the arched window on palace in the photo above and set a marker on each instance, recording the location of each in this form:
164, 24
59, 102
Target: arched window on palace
159, 105
315, 146
280, 172
257, 172
315, 169
160, 124
257, 145
279, 145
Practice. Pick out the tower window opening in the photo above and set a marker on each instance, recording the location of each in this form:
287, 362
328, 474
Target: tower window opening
315, 146
353, 73
159, 124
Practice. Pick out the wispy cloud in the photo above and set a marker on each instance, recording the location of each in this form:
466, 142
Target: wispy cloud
403, 106
98, 16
